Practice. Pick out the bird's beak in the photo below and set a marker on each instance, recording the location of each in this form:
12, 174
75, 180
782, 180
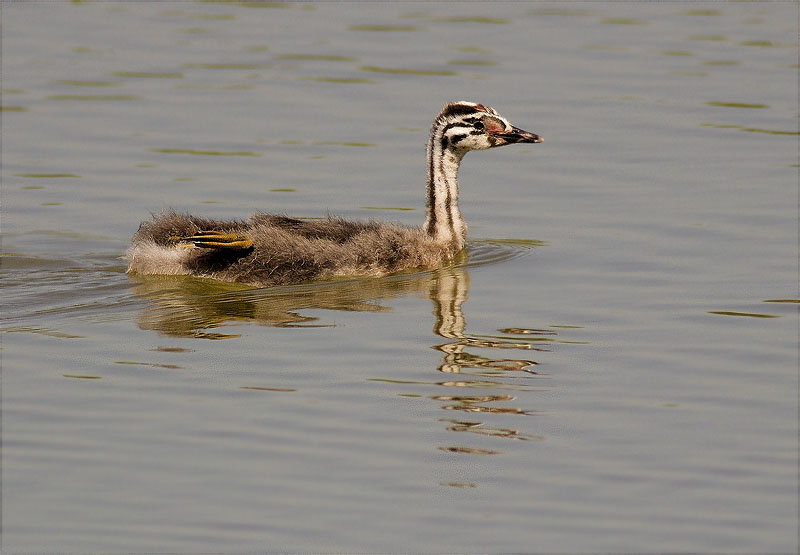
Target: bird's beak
517, 135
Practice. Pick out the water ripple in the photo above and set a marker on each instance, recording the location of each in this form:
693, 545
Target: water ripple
493, 251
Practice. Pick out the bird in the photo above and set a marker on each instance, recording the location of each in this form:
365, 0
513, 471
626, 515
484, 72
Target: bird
273, 249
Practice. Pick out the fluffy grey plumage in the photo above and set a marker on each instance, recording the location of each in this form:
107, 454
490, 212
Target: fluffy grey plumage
284, 250
276, 250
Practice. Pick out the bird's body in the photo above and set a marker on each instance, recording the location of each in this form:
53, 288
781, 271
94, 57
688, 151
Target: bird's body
285, 250
272, 249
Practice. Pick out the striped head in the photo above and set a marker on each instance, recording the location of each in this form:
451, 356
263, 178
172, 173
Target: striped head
464, 126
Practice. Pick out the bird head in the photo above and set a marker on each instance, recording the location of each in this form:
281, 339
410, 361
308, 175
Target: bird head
466, 126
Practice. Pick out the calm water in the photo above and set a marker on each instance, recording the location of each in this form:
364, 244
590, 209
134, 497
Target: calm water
612, 368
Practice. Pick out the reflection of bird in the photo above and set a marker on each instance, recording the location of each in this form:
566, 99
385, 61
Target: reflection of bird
449, 289
274, 249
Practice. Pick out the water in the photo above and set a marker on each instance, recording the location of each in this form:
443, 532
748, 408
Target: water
612, 368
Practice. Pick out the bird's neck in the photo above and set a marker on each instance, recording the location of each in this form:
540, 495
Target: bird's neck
443, 221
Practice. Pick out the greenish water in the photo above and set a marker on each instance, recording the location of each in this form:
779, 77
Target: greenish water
612, 366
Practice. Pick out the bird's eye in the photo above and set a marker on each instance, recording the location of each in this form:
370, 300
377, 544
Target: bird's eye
478, 125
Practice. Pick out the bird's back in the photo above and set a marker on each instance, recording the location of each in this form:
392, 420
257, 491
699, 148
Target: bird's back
283, 250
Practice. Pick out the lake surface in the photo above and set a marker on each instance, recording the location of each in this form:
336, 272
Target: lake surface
611, 367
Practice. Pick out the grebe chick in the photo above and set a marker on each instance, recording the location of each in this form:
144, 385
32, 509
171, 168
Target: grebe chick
272, 249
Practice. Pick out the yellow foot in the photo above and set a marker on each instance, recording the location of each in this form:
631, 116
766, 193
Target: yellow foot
178, 242
216, 240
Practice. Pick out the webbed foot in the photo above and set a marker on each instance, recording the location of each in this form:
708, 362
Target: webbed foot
211, 239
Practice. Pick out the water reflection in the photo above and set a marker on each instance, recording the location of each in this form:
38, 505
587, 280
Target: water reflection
479, 381
448, 292
182, 306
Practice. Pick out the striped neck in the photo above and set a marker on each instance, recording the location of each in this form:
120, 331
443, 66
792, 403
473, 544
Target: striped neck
443, 221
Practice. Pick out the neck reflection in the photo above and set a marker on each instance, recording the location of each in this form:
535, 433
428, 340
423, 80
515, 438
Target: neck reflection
487, 385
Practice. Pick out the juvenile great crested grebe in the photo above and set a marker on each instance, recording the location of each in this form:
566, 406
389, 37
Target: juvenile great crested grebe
273, 249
